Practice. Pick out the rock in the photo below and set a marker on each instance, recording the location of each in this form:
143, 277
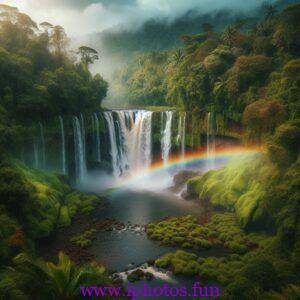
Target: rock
181, 178
151, 262
118, 281
136, 275
149, 276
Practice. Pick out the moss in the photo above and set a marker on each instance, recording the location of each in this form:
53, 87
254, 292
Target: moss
48, 200
83, 240
239, 187
221, 231
64, 217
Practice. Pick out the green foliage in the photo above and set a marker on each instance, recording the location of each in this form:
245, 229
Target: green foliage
39, 79
221, 231
46, 280
226, 71
240, 187
33, 204
83, 240
261, 118
64, 218
283, 147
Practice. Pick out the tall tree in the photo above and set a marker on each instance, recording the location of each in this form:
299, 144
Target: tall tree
229, 35
59, 39
177, 57
87, 55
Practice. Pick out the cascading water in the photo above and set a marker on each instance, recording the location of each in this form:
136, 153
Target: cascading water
42, 145
130, 141
183, 136
80, 162
113, 143
179, 129
63, 146
210, 142
123, 141
166, 141
181, 133
97, 137
94, 136
83, 135
135, 140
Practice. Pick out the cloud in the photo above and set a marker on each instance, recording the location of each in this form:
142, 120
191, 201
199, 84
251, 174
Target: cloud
82, 17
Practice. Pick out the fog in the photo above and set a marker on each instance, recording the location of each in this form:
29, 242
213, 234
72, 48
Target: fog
82, 17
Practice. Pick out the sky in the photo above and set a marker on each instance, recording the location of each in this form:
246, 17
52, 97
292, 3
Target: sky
82, 17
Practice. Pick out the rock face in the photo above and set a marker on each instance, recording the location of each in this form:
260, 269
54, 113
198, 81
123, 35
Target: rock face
139, 274
181, 178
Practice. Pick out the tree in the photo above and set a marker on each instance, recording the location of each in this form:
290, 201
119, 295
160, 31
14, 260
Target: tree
177, 56
88, 55
47, 27
229, 36
8, 13
59, 39
269, 11
262, 117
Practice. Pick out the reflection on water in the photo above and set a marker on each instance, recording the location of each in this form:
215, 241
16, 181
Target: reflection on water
117, 249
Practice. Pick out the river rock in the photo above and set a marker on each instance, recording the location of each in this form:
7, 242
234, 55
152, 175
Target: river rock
181, 178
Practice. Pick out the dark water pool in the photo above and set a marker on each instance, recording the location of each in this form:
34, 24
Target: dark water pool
118, 249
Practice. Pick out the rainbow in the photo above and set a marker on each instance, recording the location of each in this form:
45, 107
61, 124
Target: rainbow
192, 160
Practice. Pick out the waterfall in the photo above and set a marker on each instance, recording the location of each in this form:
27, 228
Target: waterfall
166, 141
140, 150
210, 142
113, 142
63, 146
145, 157
179, 131
135, 140
80, 163
122, 122
42, 144
183, 135
97, 137
94, 136
83, 135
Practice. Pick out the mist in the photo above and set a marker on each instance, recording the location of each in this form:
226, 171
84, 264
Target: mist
83, 17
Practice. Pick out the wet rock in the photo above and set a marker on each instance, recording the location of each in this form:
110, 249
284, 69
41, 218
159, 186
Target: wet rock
181, 178
151, 262
149, 276
136, 275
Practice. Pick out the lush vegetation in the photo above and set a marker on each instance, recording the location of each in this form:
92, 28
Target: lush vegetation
252, 77
225, 71
260, 233
34, 204
39, 79
35, 279
248, 73
221, 232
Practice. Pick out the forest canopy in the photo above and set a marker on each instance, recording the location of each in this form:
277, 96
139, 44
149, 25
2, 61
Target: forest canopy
222, 70
40, 78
